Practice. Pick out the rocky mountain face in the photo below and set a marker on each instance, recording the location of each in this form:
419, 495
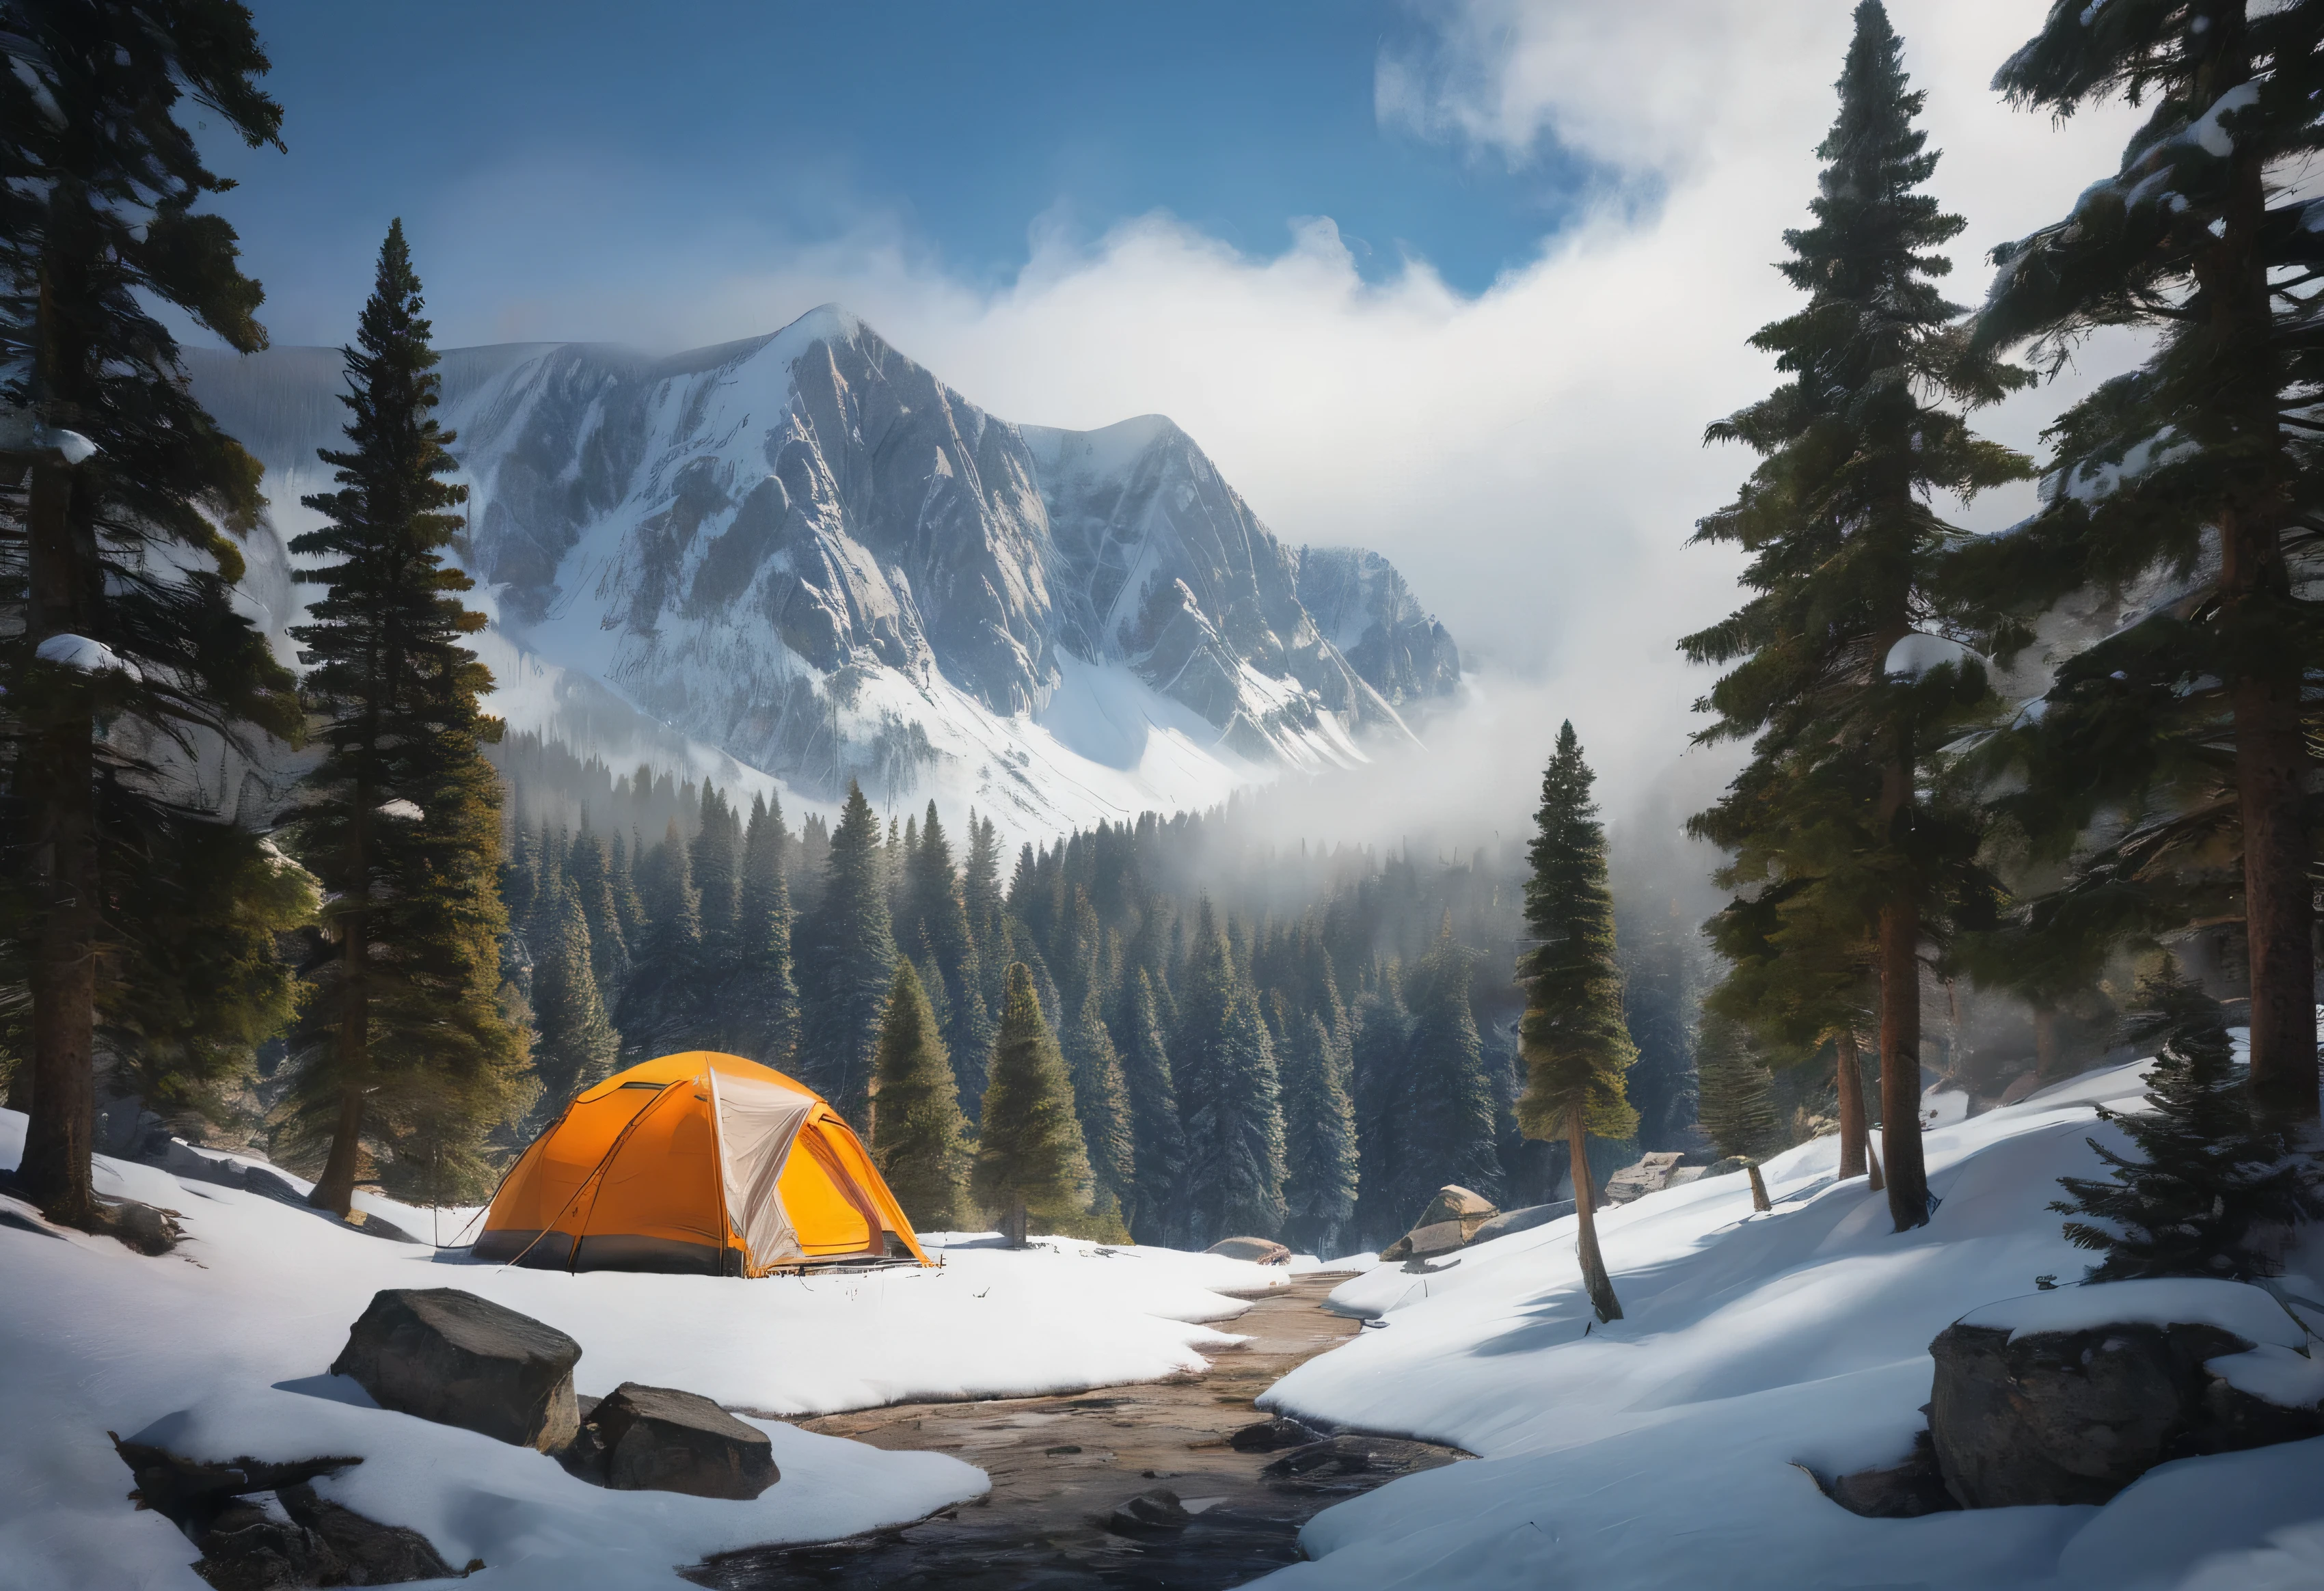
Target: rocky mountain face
806, 551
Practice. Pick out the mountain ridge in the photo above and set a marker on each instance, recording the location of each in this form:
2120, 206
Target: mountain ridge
807, 552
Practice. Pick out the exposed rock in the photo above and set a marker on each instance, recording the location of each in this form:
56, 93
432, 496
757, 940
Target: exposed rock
1149, 1512
2075, 1416
458, 1359
1902, 1491
1451, 1221
275, 1541
1263, 1251
372, 1225
656, 1439
191, 1492
148, 1228
1651, 1173
1272, 1436
1522, 1221
1336, 1459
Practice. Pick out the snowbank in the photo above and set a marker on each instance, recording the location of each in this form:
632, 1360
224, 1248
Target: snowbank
1668, 1449
223, 1348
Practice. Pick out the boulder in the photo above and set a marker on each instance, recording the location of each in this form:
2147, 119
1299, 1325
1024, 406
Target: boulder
278, 1542
148, 1228
1451, 1221
373, 1554
191, 1492
656, 1438
1650, 1173
1522, 1221
1273, 1436
458, 1359
1264, 1251
1149, 1513
2024, 1415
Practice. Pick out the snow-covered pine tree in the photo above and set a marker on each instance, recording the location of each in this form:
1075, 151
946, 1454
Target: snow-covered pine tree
1101, 1106
1229, 1096
1319, 1137
1450, 1103
1844, 676
1030, 1162
126, 553
592, 880
2190, 482
847, 959
1576, 1049
574, 1045
919, 1139
2207, 1182
1158, 1138
761, 1000
404, 1042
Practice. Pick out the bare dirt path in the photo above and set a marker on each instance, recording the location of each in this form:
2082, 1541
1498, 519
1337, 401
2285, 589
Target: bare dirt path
1063, 1467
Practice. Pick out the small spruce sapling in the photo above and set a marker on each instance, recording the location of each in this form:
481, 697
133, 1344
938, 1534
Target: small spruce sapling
2207, 1181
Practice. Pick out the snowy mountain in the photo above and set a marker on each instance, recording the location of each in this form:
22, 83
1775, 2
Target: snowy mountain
806, 554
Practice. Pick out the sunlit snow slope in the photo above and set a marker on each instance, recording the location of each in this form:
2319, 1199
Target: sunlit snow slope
806, 554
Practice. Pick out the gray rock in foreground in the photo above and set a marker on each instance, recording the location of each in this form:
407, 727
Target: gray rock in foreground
303, 1540
656, 1439
1273, 1436
2076, 1416
458, 1359
1523, 1220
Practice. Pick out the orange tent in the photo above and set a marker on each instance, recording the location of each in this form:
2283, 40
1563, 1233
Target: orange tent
696, 1163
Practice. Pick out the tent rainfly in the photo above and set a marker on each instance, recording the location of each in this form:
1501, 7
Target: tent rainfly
697, 1163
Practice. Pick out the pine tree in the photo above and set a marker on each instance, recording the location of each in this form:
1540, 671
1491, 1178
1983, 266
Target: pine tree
1319, 1138
1394, 1186
2191, 717
714, 859
575, 1045
1451, 1102
1229, 1096
933, 928
404, 1039
919, 1135
1737, 1094
2207, 1182
762, 1001
1154, 1131
1101, 1107
592, 882
1031, 1161
1576, 1049
119, 563
665, 1007
847, 960
1843, 674
982, 901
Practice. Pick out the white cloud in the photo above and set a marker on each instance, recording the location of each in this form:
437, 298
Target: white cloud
1531, 455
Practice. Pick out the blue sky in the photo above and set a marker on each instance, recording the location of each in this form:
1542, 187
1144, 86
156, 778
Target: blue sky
538, 150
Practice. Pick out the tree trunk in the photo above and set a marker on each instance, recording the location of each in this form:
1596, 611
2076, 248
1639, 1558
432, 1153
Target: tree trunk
335, 1190
2263, 669
58, 774
1878, 1182
1014, 1221
1900, 1063
1760, 1200
1585, 1203
1849, 1076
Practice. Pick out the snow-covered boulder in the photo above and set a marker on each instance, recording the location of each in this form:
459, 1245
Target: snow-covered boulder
1263, 1251
458, 1359
2070, 1395
1452, 1219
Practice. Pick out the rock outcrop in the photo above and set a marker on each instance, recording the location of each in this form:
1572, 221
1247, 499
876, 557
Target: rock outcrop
1264, 1251
2049, 1400
458, 1359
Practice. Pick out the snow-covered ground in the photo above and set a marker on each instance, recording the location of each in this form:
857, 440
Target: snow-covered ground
222, 1349
1665, 1449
